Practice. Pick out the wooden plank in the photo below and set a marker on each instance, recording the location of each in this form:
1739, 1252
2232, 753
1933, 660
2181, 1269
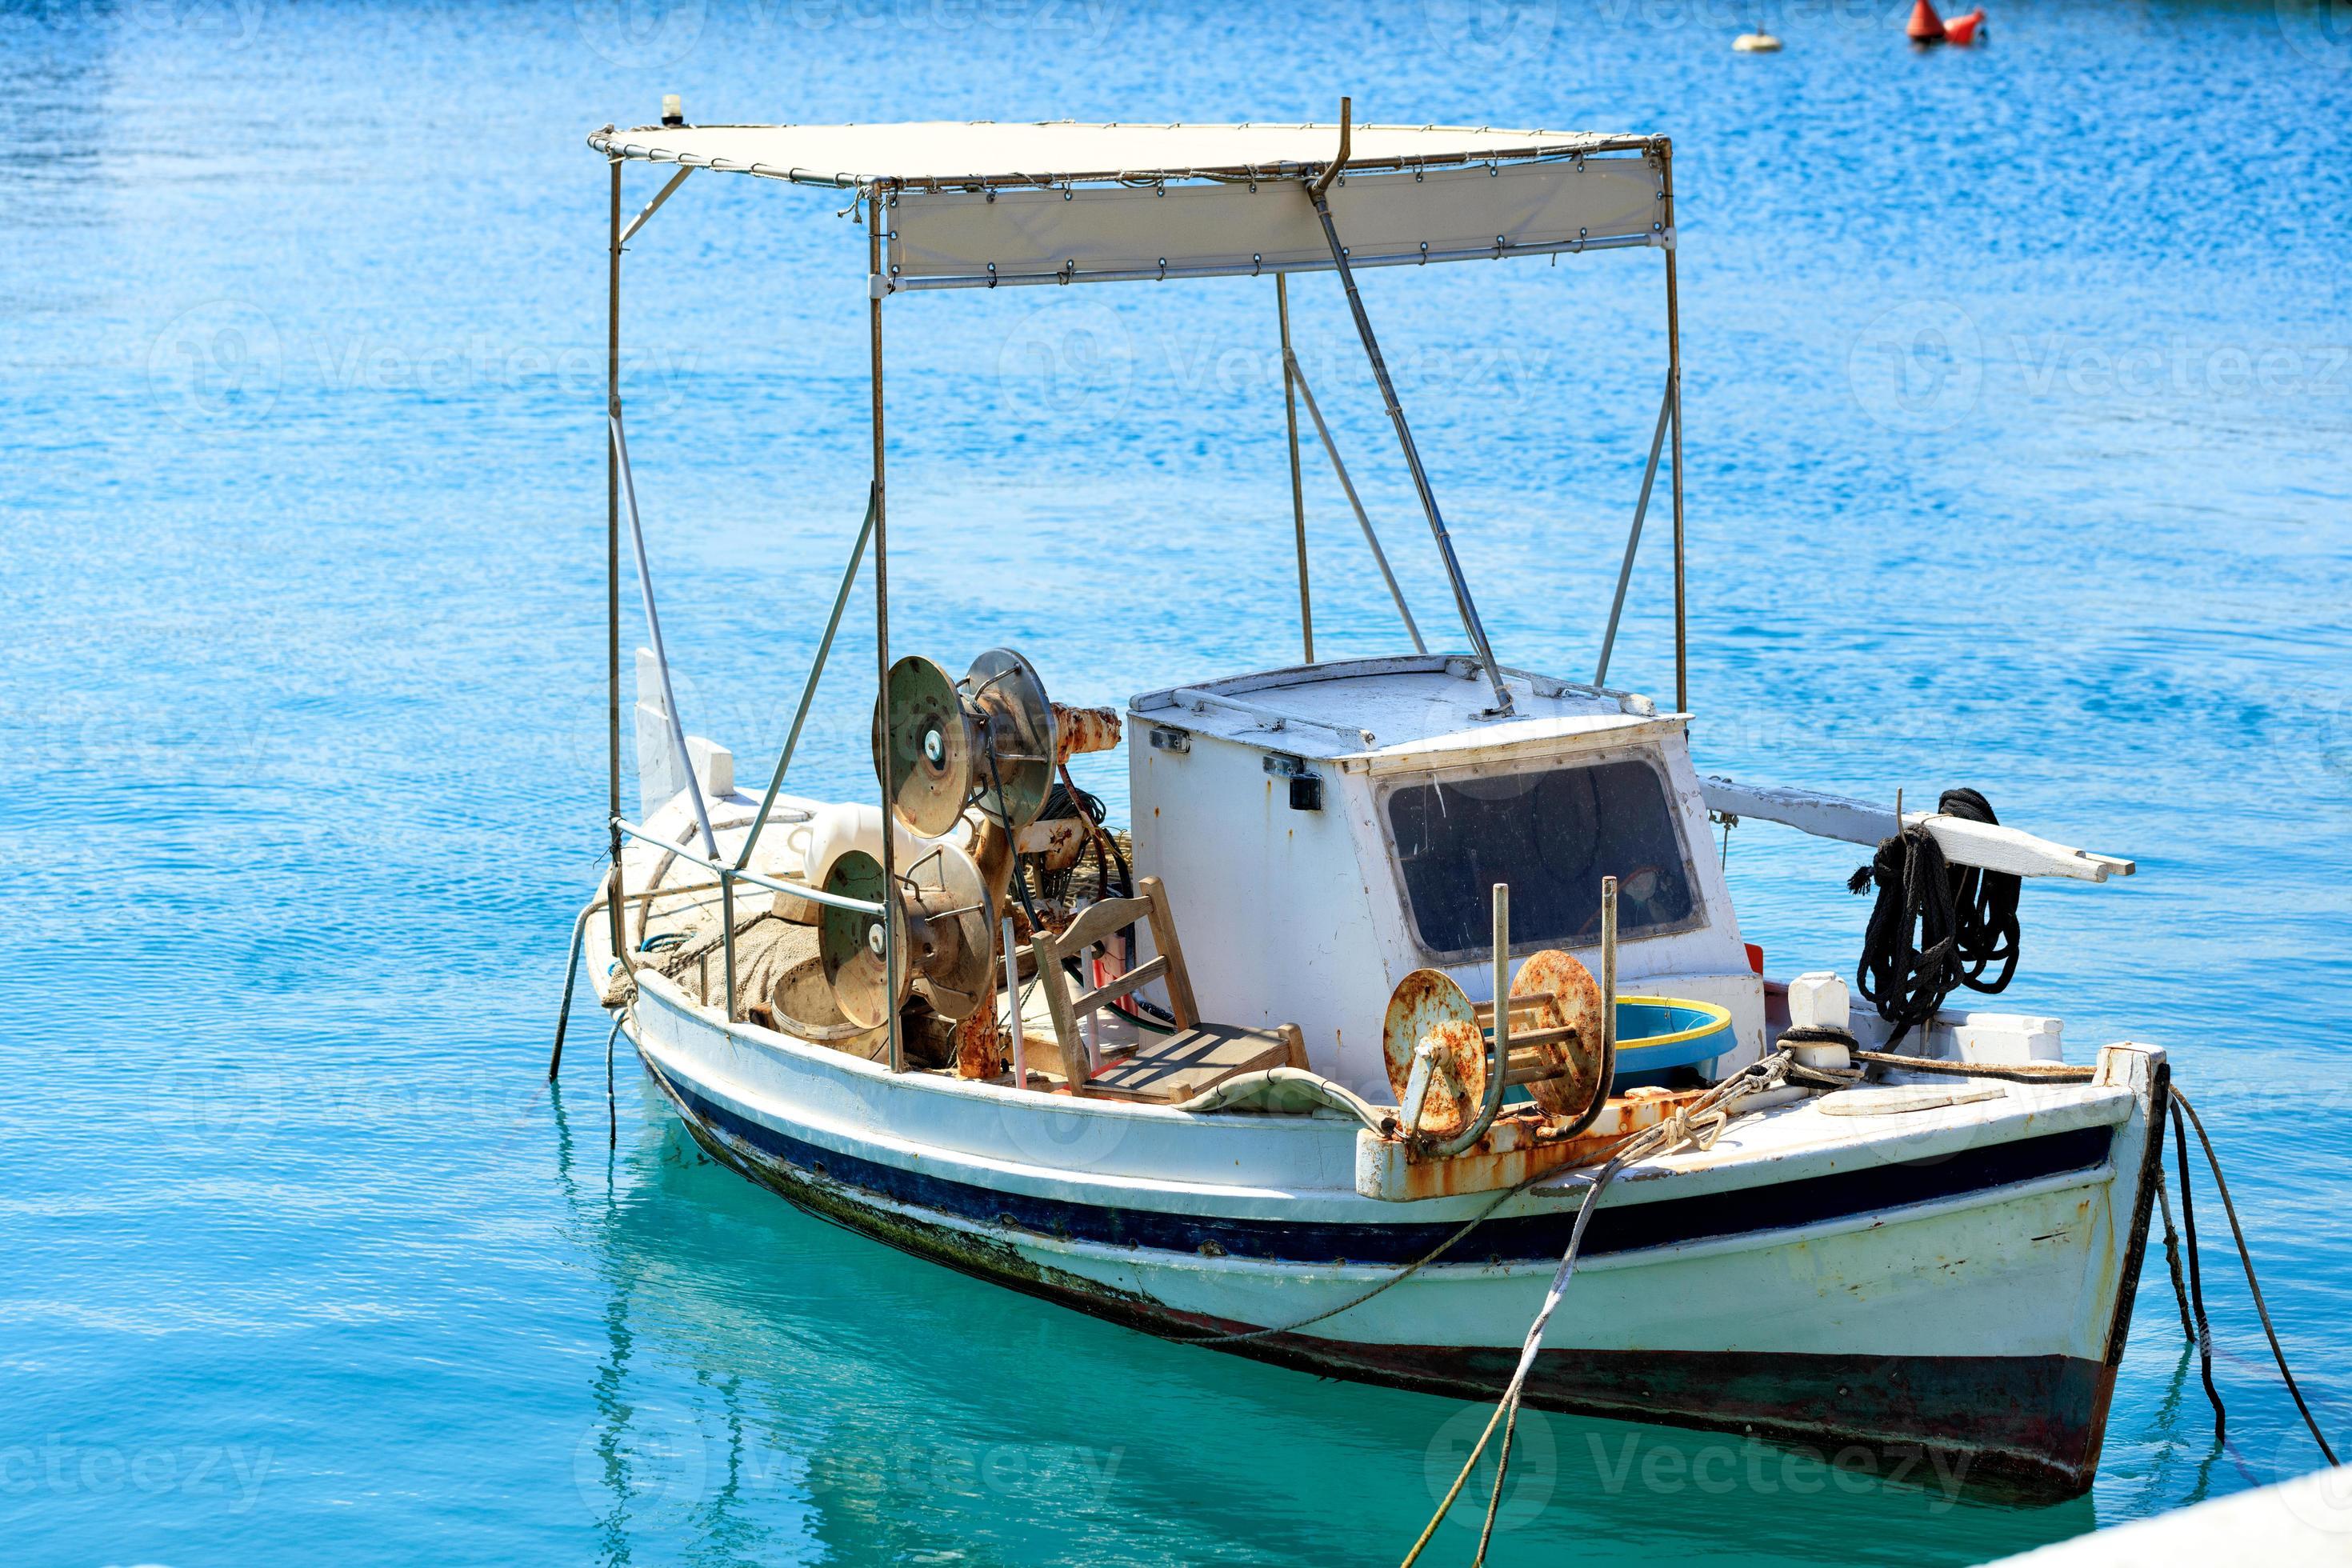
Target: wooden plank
1057, 1003
1098, 921
1142, 974
1163, 937
1993, 847
1179, 1065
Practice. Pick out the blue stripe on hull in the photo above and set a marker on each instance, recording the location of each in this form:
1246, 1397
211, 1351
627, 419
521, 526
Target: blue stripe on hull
1774, 1207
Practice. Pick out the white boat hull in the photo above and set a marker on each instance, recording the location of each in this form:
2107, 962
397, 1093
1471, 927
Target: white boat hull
1949, 1284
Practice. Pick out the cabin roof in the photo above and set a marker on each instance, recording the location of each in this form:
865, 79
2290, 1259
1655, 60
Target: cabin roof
1385, 711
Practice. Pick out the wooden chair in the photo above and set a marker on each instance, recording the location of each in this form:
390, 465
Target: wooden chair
1163, 1067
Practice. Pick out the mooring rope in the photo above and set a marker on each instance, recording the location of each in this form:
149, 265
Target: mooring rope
2195, 1304
2014, 1072
1753, 1078
1701, 1123
612, 1107
2245, 1257
1415, 1266
2172, 1253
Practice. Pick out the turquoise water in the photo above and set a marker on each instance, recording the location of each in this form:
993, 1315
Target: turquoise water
2018, 408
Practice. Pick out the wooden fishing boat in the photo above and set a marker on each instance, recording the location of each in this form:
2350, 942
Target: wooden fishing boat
1237, 1075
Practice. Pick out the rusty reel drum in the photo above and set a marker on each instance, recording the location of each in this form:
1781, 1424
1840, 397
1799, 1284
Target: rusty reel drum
942, 744
1555, 1009
944, 924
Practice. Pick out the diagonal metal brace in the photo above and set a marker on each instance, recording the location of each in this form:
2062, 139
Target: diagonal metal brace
1331, 450
1471, 625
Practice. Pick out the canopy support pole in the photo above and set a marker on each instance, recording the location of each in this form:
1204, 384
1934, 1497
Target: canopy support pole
1633, 539
875, 286
613, 568
653, 630
1674, 385
816, 671
1331, 449
1298, 486
1471, 625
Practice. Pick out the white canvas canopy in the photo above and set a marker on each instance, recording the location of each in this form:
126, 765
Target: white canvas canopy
984, 203
979, 204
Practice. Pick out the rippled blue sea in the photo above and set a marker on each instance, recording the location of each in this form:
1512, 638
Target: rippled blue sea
2020, 446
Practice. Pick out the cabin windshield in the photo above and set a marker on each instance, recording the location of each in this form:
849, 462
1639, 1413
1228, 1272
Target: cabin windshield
1552, 835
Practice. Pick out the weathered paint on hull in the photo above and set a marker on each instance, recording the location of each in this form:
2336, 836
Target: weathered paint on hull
2018, 1428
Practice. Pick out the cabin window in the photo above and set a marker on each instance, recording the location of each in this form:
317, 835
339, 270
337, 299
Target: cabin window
1552, 835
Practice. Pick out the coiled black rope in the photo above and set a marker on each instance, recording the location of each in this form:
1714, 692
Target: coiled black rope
1984, 904
1935, 926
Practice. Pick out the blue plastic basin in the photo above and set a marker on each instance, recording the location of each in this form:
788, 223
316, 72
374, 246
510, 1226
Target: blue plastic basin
1658, 1034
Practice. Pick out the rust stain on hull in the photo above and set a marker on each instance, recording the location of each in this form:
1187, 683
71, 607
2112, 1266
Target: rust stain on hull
1519, 1145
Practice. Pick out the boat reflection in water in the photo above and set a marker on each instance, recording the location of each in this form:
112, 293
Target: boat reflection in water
771, 1388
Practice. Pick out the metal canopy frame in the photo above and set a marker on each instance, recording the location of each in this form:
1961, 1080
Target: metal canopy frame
873, 200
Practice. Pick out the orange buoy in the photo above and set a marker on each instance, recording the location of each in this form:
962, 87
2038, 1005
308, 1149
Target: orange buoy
1962, 31
1925, 26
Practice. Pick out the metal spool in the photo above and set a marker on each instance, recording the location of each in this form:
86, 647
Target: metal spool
924, 746
952, 927
944, 922
1574, 1003
849, 943
1015, 724
1428, 1005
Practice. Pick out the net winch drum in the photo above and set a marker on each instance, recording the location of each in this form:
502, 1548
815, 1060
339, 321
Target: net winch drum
942, 745
1556, 1042
1428, 1007
1554, 991
943, 920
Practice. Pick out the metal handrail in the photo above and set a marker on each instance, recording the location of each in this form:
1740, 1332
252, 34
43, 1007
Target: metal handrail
1271, 718
900, 284
725, 873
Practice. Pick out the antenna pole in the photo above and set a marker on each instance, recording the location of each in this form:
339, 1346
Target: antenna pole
1297, 490
613, 572
1675, 393
876, 205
